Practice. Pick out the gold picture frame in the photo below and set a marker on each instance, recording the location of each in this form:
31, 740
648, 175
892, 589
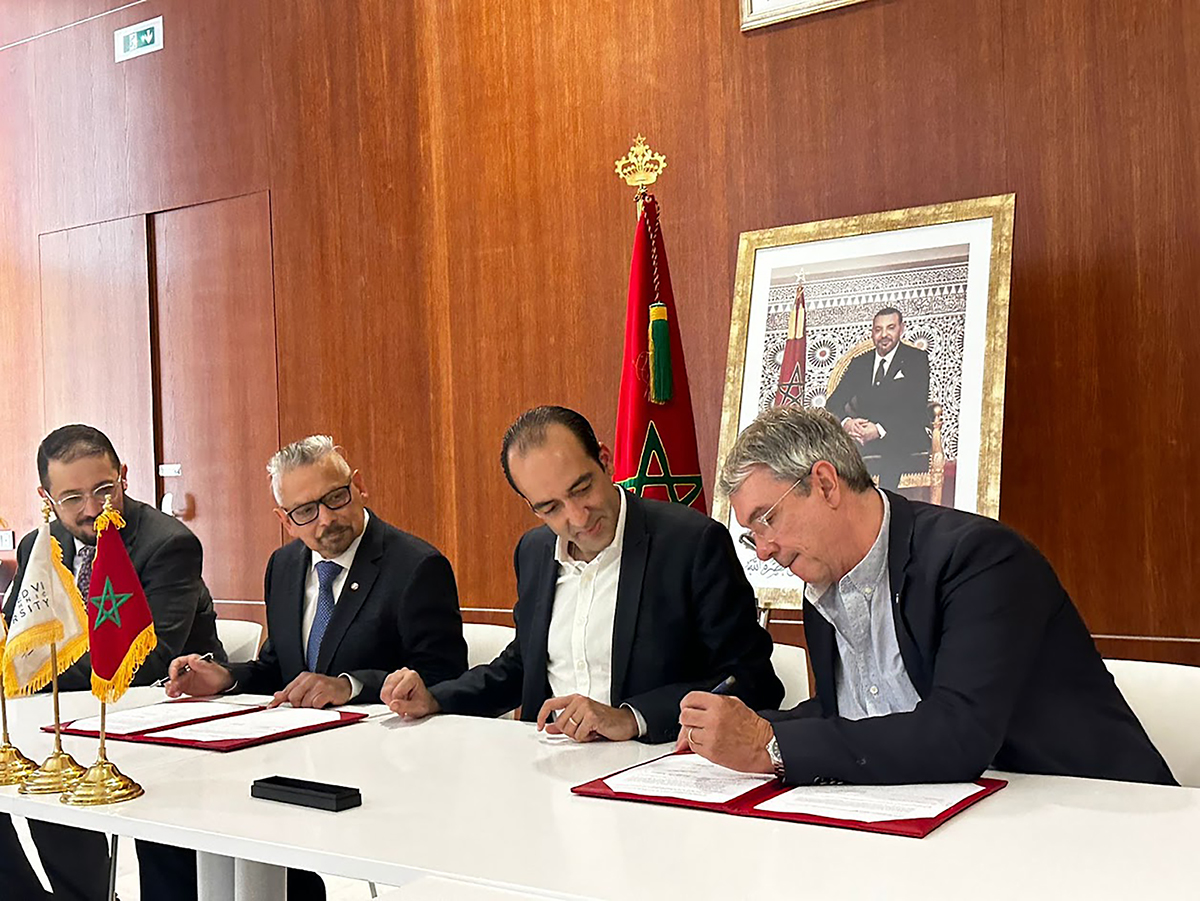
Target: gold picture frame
760, 13
947, 268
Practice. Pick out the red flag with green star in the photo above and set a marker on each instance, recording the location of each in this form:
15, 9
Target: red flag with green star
120, 628
655, 443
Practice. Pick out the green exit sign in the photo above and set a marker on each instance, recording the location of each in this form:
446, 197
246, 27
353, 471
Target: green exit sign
139, 39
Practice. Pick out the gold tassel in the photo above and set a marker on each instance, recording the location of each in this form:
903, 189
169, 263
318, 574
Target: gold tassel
111, 690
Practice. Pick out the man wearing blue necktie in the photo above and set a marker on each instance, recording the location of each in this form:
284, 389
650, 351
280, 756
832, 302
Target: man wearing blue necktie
349, 600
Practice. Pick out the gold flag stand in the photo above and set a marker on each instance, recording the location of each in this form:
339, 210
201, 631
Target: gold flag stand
14, 766
103, 783
60, 770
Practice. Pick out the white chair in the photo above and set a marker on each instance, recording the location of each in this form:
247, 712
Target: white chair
1163, 695
485, 641
791, 666
240, 639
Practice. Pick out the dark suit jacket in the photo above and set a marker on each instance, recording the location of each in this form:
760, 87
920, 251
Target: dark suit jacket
1007, 673
403, 612
168, 560
685, 620
900, 404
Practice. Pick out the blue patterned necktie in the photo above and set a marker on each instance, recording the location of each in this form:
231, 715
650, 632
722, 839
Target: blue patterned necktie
327, 571
84, 580
881, 372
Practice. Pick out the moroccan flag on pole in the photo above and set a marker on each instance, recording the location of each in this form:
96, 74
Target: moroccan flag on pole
791, 369
47, 610
119, 621
655, 453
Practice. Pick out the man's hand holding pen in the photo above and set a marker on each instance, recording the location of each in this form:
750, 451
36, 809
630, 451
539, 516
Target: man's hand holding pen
197, 675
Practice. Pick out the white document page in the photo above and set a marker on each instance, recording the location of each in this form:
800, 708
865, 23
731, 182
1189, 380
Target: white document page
139, 719
248, 700
871, 803
686, 776
259, 724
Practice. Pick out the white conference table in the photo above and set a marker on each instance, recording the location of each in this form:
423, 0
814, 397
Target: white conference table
487, 803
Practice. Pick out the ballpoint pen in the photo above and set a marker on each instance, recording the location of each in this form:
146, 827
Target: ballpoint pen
725, 687
183, 671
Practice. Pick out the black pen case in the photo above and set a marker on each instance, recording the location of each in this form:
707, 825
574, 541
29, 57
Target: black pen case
320, 795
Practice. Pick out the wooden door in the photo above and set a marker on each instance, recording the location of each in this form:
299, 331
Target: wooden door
218, 403
96, 341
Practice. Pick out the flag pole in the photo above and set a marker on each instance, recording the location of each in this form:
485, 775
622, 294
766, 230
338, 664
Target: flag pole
640, 168
60, 770
103, 783
14, 766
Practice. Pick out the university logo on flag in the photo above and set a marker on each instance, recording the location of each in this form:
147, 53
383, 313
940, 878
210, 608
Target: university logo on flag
47, 610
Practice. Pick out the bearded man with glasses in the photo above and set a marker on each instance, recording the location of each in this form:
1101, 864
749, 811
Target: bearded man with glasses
78, 467
349, 600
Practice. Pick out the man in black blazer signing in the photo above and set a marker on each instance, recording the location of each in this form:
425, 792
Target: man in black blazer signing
882, 401
349, 600
942, 642
623, 605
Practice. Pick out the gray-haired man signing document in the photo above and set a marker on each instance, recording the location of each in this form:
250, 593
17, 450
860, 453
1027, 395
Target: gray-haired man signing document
942, 642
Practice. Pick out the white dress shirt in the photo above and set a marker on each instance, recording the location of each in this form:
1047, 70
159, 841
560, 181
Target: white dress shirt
580, 643
345, 559
77, 560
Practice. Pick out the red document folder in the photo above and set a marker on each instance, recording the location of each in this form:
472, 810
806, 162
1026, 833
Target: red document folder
745, 805
149, 736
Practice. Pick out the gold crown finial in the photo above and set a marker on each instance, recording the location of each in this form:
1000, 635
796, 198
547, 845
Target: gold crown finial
46, 507
641, 167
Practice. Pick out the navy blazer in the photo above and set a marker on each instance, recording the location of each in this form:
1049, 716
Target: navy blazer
1007, 673
685, 620
398, 607
168, 560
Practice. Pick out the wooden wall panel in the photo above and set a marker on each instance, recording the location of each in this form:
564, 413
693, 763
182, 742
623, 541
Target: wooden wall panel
349, 229
20, 313
96, 339
526, 110
219, 420
1100, 455
451, 246
171, 128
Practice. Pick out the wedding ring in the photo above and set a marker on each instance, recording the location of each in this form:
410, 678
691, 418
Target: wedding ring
689, 737
572, 719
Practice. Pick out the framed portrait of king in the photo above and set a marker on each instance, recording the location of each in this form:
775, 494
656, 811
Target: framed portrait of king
897, 324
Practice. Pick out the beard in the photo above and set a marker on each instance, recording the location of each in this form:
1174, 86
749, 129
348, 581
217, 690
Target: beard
335, 540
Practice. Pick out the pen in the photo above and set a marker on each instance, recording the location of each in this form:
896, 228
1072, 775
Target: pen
186, 669
725, 687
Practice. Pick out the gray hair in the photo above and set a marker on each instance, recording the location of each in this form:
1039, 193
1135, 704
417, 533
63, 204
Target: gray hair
789, 441
304, 452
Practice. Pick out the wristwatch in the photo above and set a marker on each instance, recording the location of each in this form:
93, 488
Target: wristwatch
776, 757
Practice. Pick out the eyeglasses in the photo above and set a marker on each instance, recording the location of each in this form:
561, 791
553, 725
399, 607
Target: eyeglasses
333, 500
747, 539
74, 503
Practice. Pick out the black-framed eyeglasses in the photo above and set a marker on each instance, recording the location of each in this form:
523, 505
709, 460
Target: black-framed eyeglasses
332, 500
747, 539
74, 503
